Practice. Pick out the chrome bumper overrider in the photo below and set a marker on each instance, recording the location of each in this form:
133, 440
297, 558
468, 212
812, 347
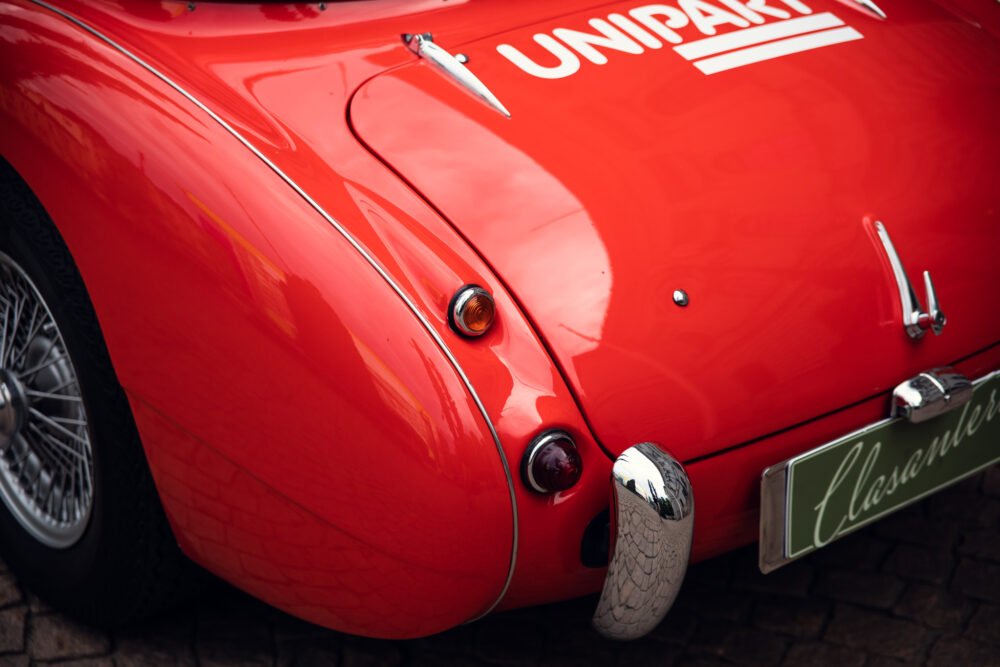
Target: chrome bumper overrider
652, 519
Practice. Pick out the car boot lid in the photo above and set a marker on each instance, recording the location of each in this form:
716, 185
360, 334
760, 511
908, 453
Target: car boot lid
691, 200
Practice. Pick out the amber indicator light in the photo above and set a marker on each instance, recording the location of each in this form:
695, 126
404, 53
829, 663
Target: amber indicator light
472, 311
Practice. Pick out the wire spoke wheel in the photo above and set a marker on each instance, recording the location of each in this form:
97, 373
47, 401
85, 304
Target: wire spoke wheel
46, 461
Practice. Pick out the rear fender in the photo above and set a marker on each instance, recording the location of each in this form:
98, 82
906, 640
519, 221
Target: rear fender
269, 290
300, 421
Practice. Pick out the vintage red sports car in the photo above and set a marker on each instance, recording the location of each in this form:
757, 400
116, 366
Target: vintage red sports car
395, 313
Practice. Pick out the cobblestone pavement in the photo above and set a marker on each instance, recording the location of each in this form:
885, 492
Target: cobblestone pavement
921, 587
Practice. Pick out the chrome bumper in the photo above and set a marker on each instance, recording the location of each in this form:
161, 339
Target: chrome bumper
652, 520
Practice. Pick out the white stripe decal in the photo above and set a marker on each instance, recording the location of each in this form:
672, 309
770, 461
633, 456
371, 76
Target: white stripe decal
756, 54
748, 36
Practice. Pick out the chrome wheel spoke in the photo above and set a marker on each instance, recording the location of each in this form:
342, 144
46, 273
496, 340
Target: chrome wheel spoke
55, 397
59, 428
46, 460
34, 330
47, 442
41, 366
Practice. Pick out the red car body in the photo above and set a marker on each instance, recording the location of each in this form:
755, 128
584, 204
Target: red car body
272, 205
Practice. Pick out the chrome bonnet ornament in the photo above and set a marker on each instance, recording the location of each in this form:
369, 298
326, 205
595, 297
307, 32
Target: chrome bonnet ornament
454, 68
916, 321
872, 7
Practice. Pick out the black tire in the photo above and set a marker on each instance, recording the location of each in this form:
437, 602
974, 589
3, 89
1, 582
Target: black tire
126, 566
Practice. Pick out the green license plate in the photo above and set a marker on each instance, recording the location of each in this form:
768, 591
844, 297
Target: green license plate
817, 497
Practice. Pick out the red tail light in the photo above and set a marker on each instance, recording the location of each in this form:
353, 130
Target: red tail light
551, 463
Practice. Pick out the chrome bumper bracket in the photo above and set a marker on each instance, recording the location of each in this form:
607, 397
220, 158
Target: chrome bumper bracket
652, 521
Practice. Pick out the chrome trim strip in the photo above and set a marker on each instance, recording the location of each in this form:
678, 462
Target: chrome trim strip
773, 546
771, 543
357, 246
652, 523
423, 45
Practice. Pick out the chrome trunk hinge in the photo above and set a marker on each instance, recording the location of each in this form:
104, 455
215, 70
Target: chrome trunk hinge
915, 320
423, 45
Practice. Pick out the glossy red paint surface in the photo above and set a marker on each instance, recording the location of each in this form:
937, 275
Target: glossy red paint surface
309, 439
612, 187
985, 15
235, 311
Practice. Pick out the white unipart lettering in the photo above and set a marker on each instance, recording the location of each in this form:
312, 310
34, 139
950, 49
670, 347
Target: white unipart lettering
610, 38
568, 62
794, 4
761, 7
743, 10
706, 16
660, 19
765, 31
634, 31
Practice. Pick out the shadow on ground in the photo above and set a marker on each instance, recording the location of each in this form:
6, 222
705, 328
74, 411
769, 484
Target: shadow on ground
921, 587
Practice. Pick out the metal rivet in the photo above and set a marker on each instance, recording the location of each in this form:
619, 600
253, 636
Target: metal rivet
462, 58
680, 297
